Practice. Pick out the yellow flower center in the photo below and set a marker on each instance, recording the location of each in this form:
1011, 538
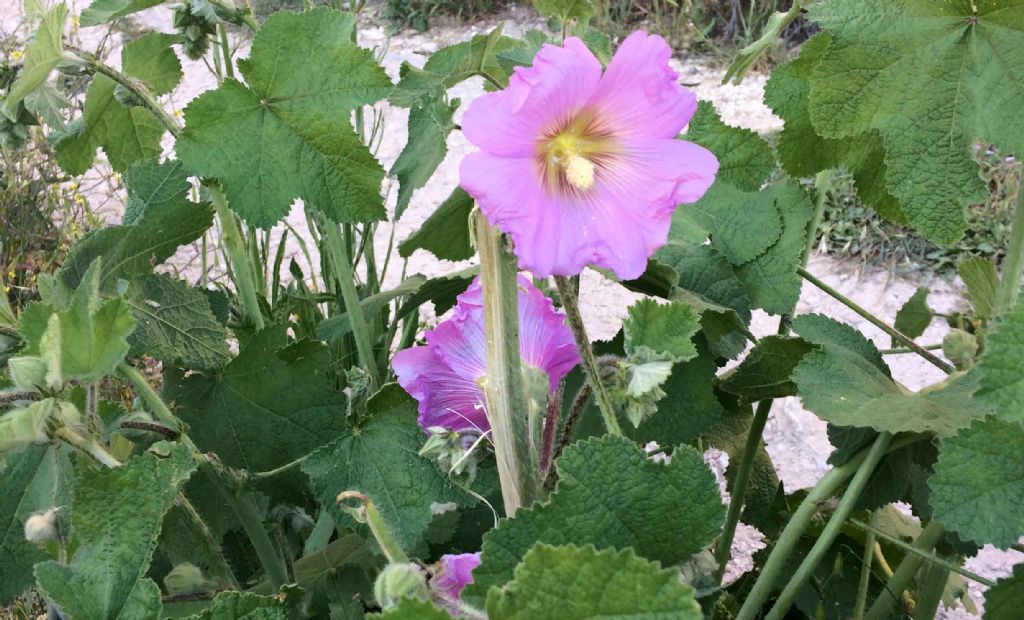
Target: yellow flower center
566, 153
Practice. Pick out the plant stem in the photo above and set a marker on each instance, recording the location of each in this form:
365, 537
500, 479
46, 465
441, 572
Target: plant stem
570, 303
931, 585
551, 429
218, 565
897, 335
88, 446
723, 549
903, 351
905, 572
347, 283
231, 235
865, 573
225, 51
517, 456
147, 98
1013, 264
369, 514
928, 557
244, 508
775, 566
156, 404
832, 529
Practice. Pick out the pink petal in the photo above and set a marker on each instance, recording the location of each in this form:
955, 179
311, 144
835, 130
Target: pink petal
545, 340
454, 573
649, 164
509, 122
445, 398
640, 94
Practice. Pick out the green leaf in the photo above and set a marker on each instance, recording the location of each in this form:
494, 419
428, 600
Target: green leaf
116, 518
912, 71
130, 252
243, 606
601, 482
271, 405
978, 485
339, 325
804, 153
151, 59
729, 434
445, 234
125, 134
564, 10
175, 325
744, 159
48, 103
412, 609
842, 387
152, 185
914, 316
771, 279
380, 458
101, 11
33, 479
287, 135
442, 292
666, 329
982, 281
767, 370
41, 57
1002, 602
999, 371
742, 225
425, 149
573, 583
822, 330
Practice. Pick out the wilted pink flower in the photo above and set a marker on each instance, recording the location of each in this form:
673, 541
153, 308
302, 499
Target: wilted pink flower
454, 572
444, 375
580, 167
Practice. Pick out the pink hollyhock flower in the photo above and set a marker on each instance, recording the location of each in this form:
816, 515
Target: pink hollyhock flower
453, 573
582, 167
444, 375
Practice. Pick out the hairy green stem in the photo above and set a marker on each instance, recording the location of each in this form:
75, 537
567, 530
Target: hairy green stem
367, 512
347, 284
98, 66
822, 184
225, 50
900, 580
897, 335
507, 407
156, 405
832, 529
88, 445
776, 564
570, 303
860, 603
249, 516
1013, 264
931, 585
245, 280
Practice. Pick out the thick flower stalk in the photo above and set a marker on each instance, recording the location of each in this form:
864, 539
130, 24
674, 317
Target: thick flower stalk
445, 375
581, 166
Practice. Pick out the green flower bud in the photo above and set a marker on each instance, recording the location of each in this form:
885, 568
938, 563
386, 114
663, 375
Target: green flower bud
398, 581
960, 348
185, 578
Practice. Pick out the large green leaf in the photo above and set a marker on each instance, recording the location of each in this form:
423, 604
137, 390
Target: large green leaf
771, 279
573, 583
174, 324
101, 11
803, 152
742, 225
767, 370
744, 159
131, 251
822, 330
380, 458
41, 56
271, 405
665, 329
978, 485
914, 316
931, 77
425, 149
602, 483
729, 434
126, 134
33, 479
288, 135
445, 234
243, 606
982, 281
1002, 602
564, 10
151, 59
116, 517
152, 185
1000, 372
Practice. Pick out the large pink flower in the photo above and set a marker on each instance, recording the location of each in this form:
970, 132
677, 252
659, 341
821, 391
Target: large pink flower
444, 375
580, 167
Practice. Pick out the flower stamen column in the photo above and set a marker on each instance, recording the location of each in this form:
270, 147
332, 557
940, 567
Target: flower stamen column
518, 461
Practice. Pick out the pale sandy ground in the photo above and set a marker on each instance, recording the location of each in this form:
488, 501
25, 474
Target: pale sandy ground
795, 438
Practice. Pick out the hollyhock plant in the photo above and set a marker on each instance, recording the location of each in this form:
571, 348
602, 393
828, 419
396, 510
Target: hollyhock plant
580, 166
453, 573
444, 376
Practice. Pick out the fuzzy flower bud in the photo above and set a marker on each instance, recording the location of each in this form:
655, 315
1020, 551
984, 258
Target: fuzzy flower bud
185, 578
42, 526
398, 581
